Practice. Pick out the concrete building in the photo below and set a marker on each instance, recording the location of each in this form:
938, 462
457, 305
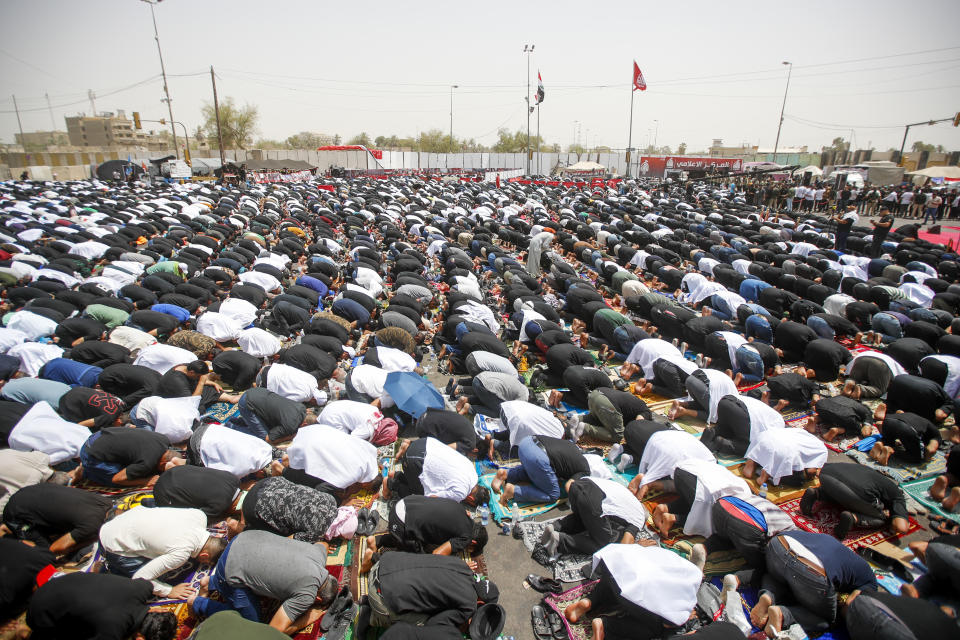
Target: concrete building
40, 140
109, 130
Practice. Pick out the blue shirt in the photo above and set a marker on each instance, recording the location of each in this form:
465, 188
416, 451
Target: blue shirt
71, 372
181, 314
313, 283
33, 390
351, 310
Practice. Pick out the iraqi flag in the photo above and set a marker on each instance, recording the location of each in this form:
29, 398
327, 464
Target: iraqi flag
539, 98
638, 81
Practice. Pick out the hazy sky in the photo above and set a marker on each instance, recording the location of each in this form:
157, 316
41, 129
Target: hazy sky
713, 69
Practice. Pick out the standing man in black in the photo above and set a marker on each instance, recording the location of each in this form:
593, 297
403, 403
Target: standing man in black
881, 228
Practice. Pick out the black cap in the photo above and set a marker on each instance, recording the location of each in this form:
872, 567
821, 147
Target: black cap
486, 591
487, 622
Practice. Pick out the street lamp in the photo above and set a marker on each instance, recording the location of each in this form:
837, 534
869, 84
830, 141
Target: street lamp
782, 108
452, 87
528, 49
163, 71
656, 130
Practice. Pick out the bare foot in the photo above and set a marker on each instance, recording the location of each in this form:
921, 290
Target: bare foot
645, 389
831, 434
951, 501
507, 495
464, 409
880, 412
577, 610
663, 520
881, 453
938, 491
597, 629
749, 468
760, 612
498, 480
555, 397
774, 622
781, 404
909, 590
367, 563
674, 410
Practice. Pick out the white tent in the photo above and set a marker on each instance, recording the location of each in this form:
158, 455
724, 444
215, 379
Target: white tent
584, 166
950, 173
815, 170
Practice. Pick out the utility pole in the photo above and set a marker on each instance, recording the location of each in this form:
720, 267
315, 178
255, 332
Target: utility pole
93, 105
782, 109
538, 138
528, 49
630, 131
53, 122
216, 109
163, 71
906, 131
452, 87
23, 141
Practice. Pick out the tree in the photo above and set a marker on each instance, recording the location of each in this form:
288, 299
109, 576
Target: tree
237, 124
264, 143
199, 136
682, 149
922, 146
362, 139
575, 148
514, 142
337, 139
304, 140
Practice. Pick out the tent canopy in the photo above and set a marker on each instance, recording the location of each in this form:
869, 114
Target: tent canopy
813, 169
277, 165
585, 165
951, 173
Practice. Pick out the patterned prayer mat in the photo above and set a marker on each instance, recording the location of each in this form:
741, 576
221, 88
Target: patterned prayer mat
935, 466
500, 513
825, 518
776, 495
221, 412
583, 629
919, 490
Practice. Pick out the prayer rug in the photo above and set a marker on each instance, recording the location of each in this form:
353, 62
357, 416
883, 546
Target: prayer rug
338, 552
583, 629
694, 428
825, 518
500, 513
775, 494
111, 492
935, 466
365, 498
719, 563
919, 490
220, 412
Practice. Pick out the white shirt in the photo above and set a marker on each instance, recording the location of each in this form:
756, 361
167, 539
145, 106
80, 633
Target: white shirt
781, 452
525, 419
656, 579
719, 385
714, 481
356, 418
172, 417
218, 326
646, 352
10, 338
620, 502
169, 536
32, 325
258, 343
239, 453
89, 249
42, 429
395, 359
369, 380
333, 456
665, 450
131, 338
240, 310
446, 473
292, 383
163, 357
33, 355
263, 280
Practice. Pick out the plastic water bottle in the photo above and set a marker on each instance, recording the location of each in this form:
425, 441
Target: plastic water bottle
763, 490
484, 512
515, 514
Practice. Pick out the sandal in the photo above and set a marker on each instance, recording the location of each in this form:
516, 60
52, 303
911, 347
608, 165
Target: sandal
557, 627
541, 626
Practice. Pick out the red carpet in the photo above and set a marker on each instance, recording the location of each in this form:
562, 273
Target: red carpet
947, 235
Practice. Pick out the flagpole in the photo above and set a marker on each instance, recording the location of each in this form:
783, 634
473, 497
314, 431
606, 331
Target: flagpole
630, 134
538, 139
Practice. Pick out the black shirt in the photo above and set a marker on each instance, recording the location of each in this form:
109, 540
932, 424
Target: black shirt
191, 487
236, 368
99, 353
924, 619
138, 450
825, 357
19, 566
449, 427
83, 403
793, 337
629, 405
10, 414
148, 320
432, 521
561, 357
565, 457
441, 586
51, 510
92, 606
132, 383
869, 485
917, 395
281, 415
308, 358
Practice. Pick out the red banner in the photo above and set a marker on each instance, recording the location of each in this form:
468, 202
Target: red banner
657, 167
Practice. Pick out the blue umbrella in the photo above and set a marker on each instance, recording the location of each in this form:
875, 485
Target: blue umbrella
411, 393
